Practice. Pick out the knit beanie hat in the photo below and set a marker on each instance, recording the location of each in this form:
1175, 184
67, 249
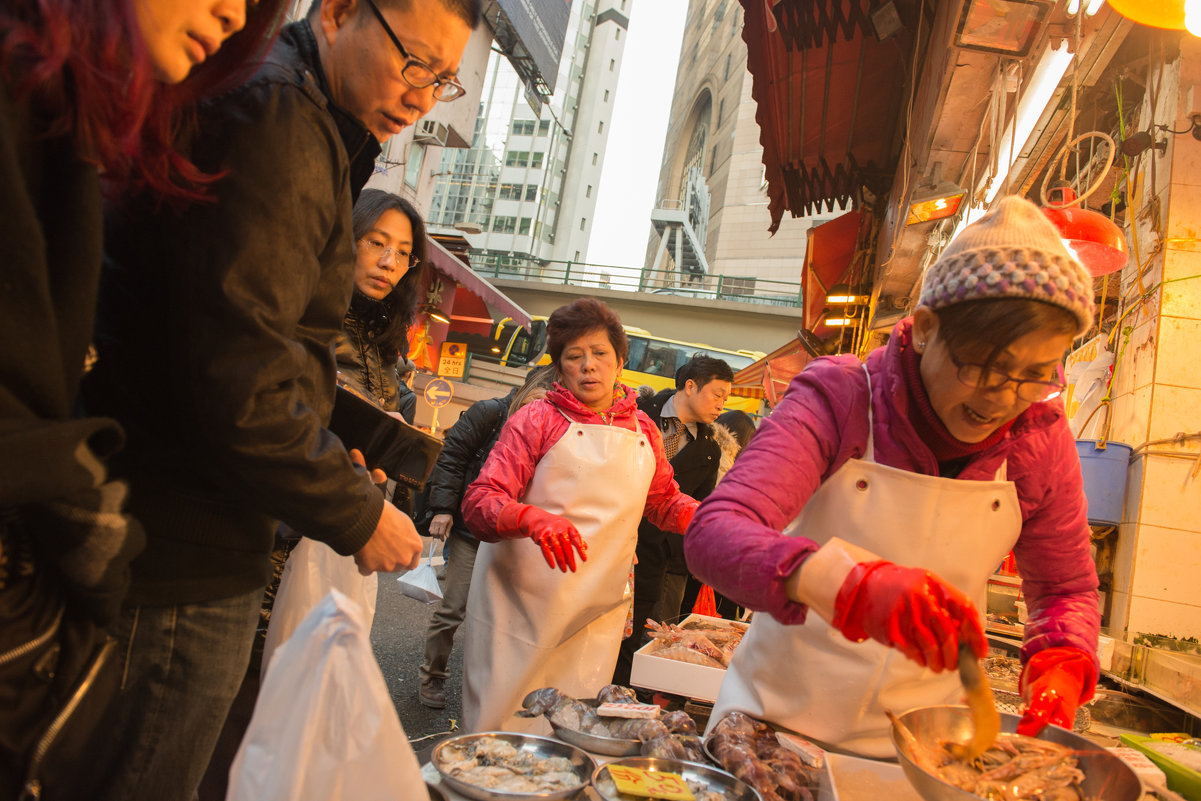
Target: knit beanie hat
1012, 251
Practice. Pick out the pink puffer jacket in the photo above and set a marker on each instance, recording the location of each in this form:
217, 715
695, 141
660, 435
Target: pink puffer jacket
531, 432
735, 544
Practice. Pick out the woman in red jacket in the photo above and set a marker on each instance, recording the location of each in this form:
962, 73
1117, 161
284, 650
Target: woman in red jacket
571, 475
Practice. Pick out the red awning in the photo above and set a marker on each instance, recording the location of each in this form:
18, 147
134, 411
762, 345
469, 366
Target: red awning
453, 268
769, 377
829, 94
827, 262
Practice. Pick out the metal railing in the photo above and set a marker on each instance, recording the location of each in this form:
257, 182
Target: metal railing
735, 288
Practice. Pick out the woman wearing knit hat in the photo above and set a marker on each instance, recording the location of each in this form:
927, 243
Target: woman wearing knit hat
865, 517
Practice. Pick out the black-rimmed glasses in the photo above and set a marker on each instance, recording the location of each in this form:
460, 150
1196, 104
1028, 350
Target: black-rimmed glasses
378, 250
991, 379
416, 72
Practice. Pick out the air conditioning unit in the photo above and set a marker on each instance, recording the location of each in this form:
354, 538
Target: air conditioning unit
431, 132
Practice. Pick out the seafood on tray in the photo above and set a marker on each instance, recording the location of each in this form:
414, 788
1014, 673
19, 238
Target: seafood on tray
672, 735
750, 750
498, 765
697, 641
1014, 768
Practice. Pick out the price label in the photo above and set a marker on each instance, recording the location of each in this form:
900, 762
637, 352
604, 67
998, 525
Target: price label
649, 783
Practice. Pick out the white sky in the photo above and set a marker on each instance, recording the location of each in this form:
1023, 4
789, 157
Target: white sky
622, 221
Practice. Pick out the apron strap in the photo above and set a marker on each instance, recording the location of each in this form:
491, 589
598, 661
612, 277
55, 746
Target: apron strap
868, 450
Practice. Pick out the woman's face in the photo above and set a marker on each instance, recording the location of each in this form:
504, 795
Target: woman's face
969, 412
179, 34
589, 367
382, 254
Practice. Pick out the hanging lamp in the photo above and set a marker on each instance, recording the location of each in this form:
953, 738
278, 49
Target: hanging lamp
1170, 14
1091, 236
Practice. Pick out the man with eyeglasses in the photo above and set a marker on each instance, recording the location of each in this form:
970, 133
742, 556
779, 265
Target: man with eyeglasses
214, 335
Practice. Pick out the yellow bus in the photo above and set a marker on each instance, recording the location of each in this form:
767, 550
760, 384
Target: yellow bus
653, 359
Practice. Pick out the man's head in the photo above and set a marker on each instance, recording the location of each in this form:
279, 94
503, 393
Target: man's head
702, 386
376, 54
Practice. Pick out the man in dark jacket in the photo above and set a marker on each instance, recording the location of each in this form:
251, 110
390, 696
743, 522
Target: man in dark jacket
215, 332
684, 416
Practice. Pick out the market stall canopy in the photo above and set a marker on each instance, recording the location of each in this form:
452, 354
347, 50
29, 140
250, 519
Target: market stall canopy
453, 268
830, 78
831, 247
769, 377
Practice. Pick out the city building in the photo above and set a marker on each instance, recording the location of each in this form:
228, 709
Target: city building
524, 191
711, 208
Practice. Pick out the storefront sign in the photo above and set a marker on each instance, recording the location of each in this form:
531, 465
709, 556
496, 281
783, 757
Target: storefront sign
453, 360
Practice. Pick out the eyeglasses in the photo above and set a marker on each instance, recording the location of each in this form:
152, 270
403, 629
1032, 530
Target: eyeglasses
986, 378
417, 73
378, 250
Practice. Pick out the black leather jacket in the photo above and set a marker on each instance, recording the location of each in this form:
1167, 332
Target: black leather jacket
215, 330
360, 362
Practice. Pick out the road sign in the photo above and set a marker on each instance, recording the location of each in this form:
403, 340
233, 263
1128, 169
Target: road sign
453, 360
438, 392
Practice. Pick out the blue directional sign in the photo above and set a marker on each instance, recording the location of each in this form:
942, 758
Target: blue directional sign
438, 392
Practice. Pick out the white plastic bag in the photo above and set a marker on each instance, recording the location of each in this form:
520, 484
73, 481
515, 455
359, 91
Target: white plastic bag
312, 570
324, 726
421, 583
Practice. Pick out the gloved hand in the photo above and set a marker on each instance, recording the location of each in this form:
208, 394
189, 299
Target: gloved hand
555, 535
1055, 682
685, 517
909, 609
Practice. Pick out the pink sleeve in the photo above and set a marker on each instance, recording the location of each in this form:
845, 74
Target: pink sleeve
664, 501
735, 542
1054, 556
524, 440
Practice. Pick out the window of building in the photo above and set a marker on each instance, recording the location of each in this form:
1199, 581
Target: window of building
413, 164
713, 160
543, 127
524, 227
612, 64
536, 161
577, 255
593, 159
617, 36
623, 5
588, 191
531, 192
721, 111
518, 158
606, 95
600, 128
510, 192
504, 225
523, 127
583, 222
729, 57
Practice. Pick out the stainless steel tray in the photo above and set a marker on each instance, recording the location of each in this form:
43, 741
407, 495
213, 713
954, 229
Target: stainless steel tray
709, 778
608, 746
583, 765
1105, 775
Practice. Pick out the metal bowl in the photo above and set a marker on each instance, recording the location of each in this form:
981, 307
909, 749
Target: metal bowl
582, 764
1105, 776
609, 746
711, 779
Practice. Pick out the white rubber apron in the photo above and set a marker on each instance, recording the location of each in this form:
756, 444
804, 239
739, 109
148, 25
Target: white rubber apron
813, 680
533, 626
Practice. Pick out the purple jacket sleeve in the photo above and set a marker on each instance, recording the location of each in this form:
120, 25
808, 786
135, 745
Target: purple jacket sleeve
1059, 577
735, 542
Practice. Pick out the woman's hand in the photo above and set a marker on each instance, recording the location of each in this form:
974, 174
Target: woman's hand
440, 526
909, 609
555, 535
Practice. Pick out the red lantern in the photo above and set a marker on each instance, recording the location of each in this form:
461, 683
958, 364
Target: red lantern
1096, 241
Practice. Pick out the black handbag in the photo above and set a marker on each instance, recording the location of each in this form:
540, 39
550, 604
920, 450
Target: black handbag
404, 452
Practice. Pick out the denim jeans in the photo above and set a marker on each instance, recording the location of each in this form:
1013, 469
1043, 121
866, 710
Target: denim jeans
440, 637
183, 666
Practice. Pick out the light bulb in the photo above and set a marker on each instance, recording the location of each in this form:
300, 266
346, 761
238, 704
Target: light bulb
1192, 16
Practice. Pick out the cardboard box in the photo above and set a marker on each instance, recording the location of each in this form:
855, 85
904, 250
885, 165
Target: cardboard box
673, 676
849, 778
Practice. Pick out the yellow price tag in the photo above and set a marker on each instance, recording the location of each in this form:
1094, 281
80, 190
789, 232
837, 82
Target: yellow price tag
649, 783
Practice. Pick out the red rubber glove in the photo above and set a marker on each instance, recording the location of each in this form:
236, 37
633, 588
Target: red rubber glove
555, 535
909, 609
685, 517
1055, 682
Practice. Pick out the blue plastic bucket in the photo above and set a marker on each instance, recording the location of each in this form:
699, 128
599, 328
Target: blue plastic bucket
1104, 471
